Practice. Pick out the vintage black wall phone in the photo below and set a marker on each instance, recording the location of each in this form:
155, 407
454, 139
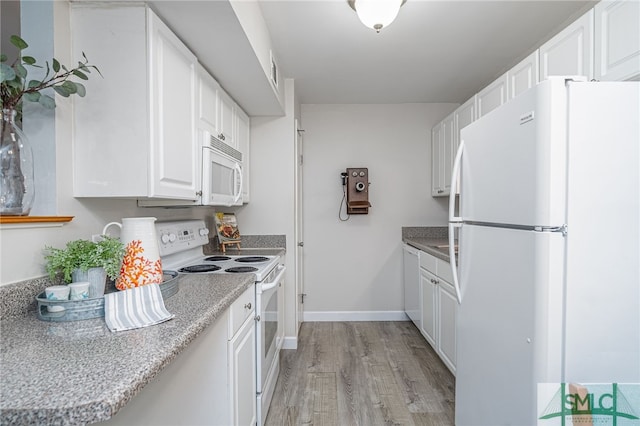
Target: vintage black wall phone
356, 182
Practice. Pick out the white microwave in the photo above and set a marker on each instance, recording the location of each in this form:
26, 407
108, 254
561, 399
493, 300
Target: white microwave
221, 173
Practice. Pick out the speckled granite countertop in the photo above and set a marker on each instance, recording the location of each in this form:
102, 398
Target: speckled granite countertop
427, 239
80, 372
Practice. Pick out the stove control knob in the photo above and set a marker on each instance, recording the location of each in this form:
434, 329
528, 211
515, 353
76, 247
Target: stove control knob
172, 237
164, 238
203, 232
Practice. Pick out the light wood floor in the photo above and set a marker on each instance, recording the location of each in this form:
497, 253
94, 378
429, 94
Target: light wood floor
364, 374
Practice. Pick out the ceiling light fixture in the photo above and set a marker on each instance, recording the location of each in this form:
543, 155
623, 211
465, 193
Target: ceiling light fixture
376, 14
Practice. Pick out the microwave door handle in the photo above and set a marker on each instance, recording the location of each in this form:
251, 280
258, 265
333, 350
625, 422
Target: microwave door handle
238, 193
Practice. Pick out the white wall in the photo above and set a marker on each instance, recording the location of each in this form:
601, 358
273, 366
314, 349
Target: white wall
356, 266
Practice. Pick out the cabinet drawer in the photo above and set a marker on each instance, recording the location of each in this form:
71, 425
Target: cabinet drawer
444, 270
428, 262
448, 287
241, 309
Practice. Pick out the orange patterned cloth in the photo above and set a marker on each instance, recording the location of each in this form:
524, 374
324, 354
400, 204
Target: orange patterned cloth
137, 270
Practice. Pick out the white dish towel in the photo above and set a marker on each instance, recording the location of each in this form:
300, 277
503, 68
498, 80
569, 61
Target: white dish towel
135, 308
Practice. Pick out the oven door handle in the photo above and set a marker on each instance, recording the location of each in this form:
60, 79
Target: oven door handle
276, 280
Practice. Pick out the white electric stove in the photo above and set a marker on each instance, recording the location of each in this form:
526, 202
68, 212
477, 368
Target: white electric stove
180, 244
181, 249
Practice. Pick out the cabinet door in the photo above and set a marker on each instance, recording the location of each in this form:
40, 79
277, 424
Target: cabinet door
429, 284
207, 87
191, 390
492, 96
242, 370
174, 152
570, 51
436, 154
464, 115
617, 40
411, 280
524, 76
447, 311
448, 152
243, 135
226, 118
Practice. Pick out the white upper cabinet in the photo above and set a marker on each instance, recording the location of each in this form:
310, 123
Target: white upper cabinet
175, 148
135, 131
217, 111
226, 118
570, 52
448, 141
437, 153
442, 151
243, 138
524, 76
492, 96
464, 115
207, 108
617, 40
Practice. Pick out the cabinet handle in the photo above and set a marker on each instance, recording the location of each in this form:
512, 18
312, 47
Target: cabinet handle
247, 306
257, 317
221, 136
440, 191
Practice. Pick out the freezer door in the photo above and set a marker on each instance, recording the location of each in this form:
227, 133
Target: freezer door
513, 163
509, 335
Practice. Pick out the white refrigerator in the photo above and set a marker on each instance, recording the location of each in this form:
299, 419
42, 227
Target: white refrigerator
549, 260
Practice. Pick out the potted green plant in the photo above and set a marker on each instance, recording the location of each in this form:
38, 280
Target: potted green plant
16, 159
84, 260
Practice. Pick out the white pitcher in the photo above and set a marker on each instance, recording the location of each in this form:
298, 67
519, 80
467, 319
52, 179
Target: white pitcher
141, 264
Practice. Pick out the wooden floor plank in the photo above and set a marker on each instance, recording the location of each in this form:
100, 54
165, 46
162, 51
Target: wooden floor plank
362, 374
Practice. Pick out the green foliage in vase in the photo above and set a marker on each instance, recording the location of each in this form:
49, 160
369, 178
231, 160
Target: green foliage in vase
85, 254
15, 87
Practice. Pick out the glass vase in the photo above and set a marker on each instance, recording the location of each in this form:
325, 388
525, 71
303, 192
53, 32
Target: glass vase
17, 189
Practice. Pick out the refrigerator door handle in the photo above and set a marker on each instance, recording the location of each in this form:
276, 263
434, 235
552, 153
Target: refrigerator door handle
454, 221
452, 260
455, 176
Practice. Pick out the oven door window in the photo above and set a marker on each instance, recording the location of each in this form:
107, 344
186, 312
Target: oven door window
221, 179
269, 328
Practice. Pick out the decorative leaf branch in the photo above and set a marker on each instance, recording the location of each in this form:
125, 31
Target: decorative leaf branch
14, 86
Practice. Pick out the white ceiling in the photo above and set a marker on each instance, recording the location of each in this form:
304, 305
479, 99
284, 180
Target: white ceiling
435, 51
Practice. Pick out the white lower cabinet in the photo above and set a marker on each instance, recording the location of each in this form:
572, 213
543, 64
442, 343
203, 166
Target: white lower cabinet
212, 382
447, 307
429, 306
439, 308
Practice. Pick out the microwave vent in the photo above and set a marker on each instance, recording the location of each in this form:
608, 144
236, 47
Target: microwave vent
218, 145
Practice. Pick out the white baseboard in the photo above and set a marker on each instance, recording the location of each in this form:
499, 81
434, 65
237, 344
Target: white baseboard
290, 343
355, 316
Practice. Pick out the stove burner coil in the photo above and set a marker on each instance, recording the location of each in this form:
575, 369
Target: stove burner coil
252, 259
217, 258
241, 269
199, 268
